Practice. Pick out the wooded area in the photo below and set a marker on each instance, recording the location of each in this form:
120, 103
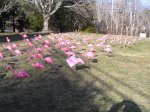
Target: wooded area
123, 17
120, 17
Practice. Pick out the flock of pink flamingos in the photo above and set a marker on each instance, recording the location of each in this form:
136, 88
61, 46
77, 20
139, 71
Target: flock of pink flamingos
66, 43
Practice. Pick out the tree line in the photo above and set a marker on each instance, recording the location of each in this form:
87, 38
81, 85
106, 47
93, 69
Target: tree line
123, 17
44, 15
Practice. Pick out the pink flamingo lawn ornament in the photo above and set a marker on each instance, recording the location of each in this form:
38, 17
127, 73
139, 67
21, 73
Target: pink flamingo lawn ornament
48, 60
17, 52
37, 37
80, 61
108, 49
125, 41
28, 42
9, 48
14, 45
72, 47
24, 36
70, 53
112, 41
8, 40
18, 74
40, 56
46, 42
91, 49
38, 49
90, 45
78, 43
65, 49
101, 44
90, 54
37, 65
46, 46
1, 55
72, 61
134, 40
129, 43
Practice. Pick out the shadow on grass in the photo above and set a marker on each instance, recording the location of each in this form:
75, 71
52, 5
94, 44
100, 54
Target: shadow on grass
146, 96
49, 93
106, 85
125, 106
111, 88
17, 37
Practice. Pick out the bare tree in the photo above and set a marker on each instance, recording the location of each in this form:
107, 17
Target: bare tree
5, 5
123, 17
49, 7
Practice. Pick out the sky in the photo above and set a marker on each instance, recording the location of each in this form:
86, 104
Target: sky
146, 2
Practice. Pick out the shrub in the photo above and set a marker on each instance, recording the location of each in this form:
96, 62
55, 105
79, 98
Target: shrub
34, 22
89, 29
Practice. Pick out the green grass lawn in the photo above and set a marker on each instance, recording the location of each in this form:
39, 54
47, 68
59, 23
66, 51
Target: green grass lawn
58, 88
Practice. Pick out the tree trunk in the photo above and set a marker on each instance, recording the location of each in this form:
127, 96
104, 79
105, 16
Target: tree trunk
2, 30
46, 22
14, 24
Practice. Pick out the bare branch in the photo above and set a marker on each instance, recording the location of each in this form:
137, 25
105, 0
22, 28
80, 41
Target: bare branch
75, 4
6, 5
